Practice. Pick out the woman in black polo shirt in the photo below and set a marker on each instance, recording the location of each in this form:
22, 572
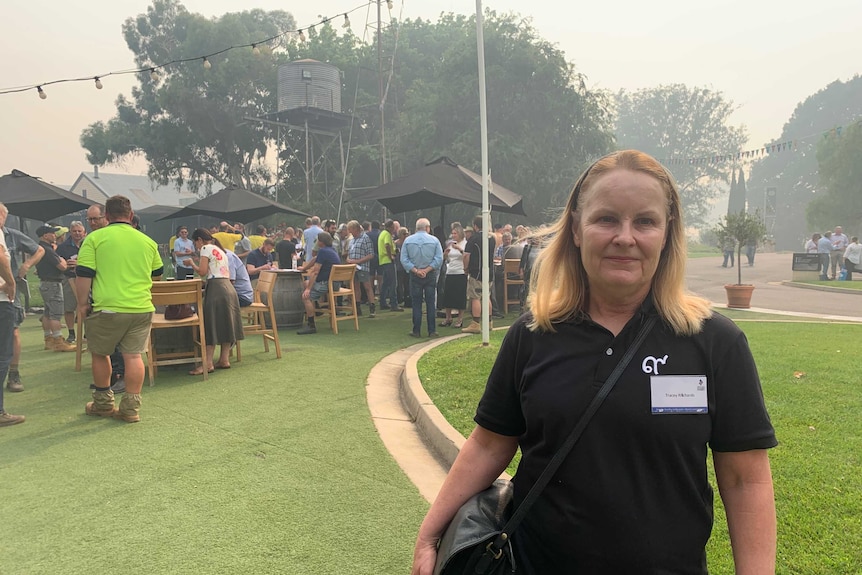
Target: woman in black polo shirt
633, 495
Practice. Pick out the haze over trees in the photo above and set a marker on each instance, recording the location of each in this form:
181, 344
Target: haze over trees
678, 122
191, 123
796, 175
545, 126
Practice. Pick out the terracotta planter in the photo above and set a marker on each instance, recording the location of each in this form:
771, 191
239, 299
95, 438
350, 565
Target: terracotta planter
739, 296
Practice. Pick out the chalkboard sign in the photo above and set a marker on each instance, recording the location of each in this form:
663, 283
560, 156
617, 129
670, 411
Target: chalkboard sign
806, 262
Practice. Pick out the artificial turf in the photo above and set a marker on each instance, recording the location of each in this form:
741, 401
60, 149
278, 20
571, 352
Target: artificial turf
272, 466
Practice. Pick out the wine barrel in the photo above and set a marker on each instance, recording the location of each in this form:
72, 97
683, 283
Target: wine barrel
287, 299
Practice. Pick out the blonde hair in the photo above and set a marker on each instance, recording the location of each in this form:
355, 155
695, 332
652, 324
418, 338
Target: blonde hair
559, 288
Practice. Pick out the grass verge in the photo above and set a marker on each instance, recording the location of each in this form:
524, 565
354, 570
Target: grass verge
810, 380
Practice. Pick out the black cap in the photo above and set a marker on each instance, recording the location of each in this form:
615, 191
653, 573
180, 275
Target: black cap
45, 229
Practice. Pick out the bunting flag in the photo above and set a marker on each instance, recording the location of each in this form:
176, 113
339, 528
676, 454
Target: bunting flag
753, 154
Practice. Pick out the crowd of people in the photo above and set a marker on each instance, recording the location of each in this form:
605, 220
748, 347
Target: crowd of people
95, 276
385, 270
839, 255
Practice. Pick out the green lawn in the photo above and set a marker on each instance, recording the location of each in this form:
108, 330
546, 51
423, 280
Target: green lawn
817, 467
269, 467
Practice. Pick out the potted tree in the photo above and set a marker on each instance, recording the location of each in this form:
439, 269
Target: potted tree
743, 228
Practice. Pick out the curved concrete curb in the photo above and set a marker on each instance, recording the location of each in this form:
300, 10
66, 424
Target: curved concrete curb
439, 434
411, 427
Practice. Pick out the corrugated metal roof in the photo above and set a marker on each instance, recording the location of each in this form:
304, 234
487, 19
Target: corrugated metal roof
139, 189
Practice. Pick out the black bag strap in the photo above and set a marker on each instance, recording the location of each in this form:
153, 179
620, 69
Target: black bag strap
494, 549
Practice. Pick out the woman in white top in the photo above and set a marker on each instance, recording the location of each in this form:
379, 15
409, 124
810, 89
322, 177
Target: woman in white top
222, 319
455, 288
853, 257
811, 244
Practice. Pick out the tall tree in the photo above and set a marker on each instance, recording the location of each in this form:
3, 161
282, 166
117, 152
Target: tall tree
676, 121
840, 199
189, 121
793, 173
543, 124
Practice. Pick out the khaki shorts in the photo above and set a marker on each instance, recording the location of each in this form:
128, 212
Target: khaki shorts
129, 331
474, 288
70, 301
52, 297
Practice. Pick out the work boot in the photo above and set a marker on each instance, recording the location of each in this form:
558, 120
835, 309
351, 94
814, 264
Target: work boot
130, 407
13, 383
9, 419
474, 327
118, 385
307, 330
102, 404
49, 342
59, 344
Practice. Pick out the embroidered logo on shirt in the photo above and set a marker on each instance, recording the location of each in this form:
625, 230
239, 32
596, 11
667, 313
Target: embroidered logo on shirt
650, 364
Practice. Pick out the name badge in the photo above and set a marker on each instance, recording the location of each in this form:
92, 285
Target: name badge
671, 394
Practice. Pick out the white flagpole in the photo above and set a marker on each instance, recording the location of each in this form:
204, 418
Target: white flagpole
486, 212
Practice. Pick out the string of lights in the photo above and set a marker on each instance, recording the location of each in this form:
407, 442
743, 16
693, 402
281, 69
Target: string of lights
204, 59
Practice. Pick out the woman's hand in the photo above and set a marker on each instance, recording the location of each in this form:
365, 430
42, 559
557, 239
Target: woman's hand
424, 557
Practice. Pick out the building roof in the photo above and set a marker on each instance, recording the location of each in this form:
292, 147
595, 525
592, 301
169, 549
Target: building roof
140, 190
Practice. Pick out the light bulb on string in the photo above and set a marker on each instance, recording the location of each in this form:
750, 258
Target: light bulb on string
207, 64
346, 22
255, 50
301, 36
42, 93
154, 76
98, 83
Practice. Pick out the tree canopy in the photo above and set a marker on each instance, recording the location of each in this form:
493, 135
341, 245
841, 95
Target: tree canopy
543, 124
794, 174
189, 122
675, 121
840, 198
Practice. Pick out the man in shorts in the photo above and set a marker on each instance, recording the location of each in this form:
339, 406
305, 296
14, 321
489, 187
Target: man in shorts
68, 250
119, 263
7, 325
17, 241
50, 270
317, 285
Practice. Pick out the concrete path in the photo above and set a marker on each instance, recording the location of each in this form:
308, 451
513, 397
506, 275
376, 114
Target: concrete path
424, 444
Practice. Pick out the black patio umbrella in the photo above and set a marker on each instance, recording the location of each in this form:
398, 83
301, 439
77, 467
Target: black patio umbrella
235, 203
158, 211
31, 198
438, 184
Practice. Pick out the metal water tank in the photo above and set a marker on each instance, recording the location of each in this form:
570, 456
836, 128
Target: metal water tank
309, 84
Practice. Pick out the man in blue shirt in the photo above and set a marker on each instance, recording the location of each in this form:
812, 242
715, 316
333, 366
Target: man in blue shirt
260, 259
309, 236
317, 285
183, 248
422, 256
240, 280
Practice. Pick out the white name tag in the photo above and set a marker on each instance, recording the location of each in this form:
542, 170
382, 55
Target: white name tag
672, 394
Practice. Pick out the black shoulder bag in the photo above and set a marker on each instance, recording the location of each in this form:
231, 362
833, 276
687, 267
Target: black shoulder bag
478, 539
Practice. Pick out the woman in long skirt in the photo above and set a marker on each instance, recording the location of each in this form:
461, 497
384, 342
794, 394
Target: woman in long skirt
222, 318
